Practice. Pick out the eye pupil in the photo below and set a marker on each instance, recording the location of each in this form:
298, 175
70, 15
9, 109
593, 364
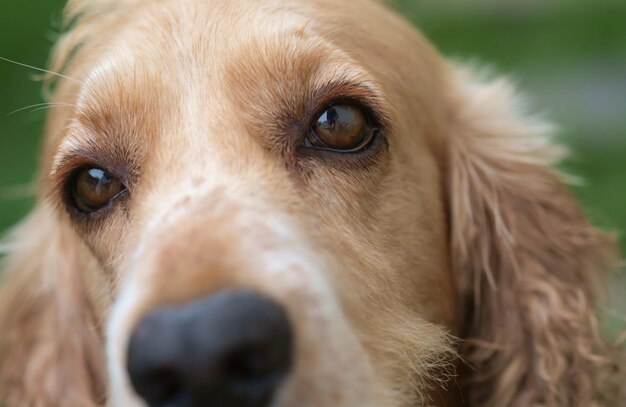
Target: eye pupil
94, 188
329, 119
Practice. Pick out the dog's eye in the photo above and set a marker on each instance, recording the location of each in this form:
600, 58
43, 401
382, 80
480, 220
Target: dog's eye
93, 188
343, 128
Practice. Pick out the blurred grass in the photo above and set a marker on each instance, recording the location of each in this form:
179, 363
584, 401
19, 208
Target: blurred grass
26, 35
570, 56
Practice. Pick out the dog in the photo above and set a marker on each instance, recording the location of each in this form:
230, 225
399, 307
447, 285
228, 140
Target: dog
295, 203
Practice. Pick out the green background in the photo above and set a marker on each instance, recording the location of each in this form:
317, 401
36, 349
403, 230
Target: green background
568, 56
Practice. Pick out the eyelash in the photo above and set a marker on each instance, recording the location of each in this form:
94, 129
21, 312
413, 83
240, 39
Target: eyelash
370, 115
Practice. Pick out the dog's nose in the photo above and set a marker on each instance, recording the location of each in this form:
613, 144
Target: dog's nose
231, 349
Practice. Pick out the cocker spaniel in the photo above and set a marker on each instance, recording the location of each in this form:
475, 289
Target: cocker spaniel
269, 203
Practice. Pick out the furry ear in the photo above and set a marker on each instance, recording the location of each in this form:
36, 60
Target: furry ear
50, 344
527, 261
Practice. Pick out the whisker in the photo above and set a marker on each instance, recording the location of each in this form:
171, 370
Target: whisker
68, 106
41, 70
41, 106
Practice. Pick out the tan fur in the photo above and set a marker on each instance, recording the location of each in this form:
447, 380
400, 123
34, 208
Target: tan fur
51, 338
454, 247
529, 263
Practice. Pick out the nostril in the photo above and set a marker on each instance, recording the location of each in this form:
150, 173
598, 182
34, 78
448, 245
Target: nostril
255, 367
159, 386
153, 375
251, 364
231, 349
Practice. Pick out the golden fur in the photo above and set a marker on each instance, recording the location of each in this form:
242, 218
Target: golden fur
453, 268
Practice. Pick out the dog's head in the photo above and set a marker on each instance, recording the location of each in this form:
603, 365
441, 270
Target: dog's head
270, 203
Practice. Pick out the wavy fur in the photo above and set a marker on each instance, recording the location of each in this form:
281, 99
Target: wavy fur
530, 265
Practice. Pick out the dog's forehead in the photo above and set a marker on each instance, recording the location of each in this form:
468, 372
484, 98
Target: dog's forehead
197, 40
203, 68
185, 44
198, 54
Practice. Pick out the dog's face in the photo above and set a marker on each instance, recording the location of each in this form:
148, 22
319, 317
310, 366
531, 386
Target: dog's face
270, 147
271, 203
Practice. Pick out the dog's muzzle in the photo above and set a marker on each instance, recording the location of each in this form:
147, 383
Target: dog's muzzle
233, 348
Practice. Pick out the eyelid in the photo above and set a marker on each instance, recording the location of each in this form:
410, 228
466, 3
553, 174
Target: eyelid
370, 116
365, 95
364, 145
73, 163
75, 157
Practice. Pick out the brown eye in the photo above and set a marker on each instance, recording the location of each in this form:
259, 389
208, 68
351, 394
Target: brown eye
342, 128
93, 188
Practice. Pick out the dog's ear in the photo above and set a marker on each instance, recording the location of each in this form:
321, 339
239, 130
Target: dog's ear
50, 344
527, 261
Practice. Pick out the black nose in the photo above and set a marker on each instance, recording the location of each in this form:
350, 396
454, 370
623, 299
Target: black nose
232, 349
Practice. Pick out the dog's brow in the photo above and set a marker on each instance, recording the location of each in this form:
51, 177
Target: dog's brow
341, 77
364, 92
80, 149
